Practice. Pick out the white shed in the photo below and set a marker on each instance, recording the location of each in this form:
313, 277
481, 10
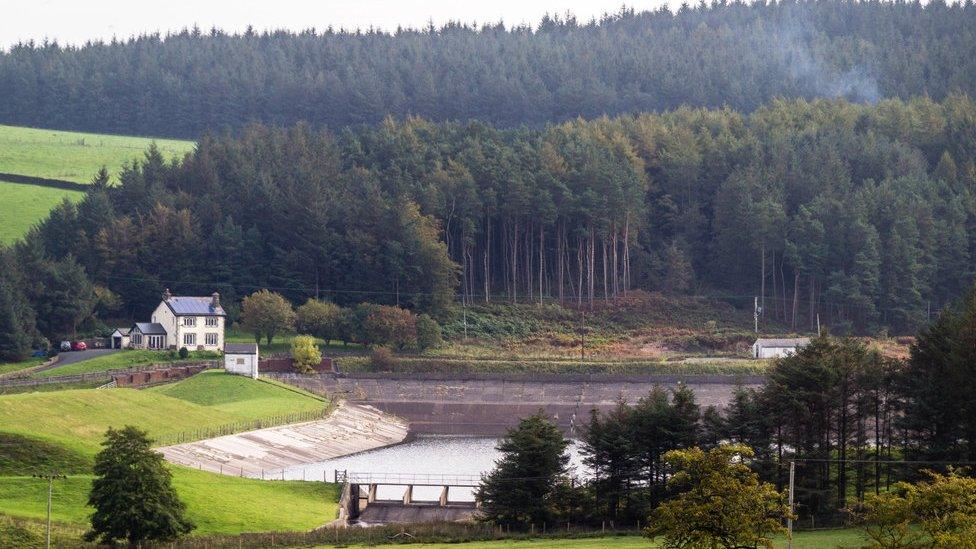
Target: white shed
120, 338
778, 348
241, 359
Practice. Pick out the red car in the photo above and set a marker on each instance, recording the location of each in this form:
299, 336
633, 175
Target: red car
79, 346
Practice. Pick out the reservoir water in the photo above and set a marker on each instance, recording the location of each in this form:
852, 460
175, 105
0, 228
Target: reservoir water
427, 455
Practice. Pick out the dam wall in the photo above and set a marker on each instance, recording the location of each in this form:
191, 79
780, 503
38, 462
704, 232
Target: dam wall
489, 404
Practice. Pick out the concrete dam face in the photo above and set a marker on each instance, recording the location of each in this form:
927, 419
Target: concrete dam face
488, 405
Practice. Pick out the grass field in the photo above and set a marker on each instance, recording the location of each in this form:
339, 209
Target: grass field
216, 503
7, 367
123, 359
67, 426
23, 206
73, 156
240, 395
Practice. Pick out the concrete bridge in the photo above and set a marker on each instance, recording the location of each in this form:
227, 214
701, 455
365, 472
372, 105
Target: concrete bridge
360, 499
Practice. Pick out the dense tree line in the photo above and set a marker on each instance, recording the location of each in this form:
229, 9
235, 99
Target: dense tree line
728, 53
855, 423
859, 217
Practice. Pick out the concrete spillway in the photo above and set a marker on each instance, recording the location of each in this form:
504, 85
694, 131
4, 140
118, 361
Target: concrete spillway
351, 428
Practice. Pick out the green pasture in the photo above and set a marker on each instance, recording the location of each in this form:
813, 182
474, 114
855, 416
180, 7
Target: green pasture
74, 156
23, 206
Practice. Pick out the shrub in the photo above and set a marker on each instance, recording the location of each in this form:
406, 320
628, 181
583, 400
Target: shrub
381, 359
184, 353
305, 354
428, 333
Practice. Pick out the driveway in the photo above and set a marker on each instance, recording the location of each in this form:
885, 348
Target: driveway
71, 357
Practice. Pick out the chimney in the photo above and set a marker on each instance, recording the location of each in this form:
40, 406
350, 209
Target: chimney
167, 295
216, 300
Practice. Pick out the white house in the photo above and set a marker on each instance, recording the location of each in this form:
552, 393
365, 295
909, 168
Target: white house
196, 323
778, 348
241, 359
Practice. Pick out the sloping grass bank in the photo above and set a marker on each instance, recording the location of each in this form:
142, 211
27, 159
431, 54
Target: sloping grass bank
75, 156
23, 206
69, 427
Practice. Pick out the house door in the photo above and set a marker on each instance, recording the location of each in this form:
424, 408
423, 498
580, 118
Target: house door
155, 342
117, 342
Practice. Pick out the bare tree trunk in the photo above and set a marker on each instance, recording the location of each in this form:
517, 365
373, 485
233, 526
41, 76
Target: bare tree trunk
514, 255
782, 278
579, 257
616, 280
775, 292
528, 261
813, 302
796, 297
487, 260
561, 253
542, 260
606, 289
590, 271
627, 254
762, 286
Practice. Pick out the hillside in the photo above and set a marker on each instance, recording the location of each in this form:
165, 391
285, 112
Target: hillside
736, 54
22, 206
30, 155
73, 156
65, 428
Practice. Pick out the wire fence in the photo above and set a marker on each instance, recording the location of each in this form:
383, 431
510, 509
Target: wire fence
243, 426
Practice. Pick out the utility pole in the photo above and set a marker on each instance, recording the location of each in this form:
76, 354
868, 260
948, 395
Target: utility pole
50, 488
755, 312
789, 520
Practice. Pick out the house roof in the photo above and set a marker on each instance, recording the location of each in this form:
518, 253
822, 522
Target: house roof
196, 306
150, 328
122, 331
240, 348
784, 342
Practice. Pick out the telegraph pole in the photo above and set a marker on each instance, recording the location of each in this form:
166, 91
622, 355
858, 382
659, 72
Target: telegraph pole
755, 312
789, 519
50, 488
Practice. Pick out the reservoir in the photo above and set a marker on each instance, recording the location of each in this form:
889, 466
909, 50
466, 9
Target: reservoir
423, 455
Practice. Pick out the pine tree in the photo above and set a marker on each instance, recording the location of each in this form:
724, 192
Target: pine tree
132, 493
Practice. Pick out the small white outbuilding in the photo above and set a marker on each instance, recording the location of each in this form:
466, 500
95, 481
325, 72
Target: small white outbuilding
241, 359
778, 348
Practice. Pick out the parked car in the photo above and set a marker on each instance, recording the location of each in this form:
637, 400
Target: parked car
39, 353
65, 345
79, 346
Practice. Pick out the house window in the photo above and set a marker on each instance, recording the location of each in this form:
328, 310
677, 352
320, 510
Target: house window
211, 339
189, 339
240, 361
137, 339
211, 321
189, 321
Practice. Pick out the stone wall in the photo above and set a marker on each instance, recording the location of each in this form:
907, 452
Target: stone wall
136, 380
